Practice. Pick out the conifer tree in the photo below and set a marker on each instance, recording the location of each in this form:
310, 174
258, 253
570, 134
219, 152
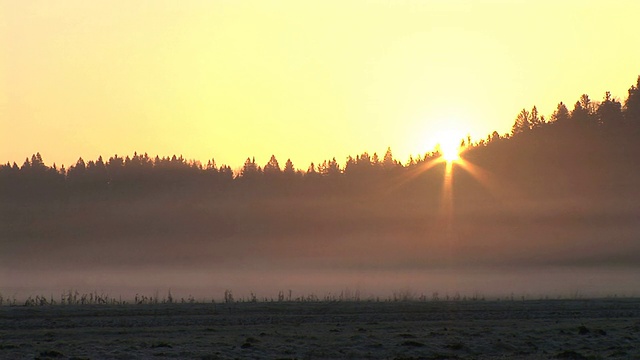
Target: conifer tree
632, 104
561, 114
522, 123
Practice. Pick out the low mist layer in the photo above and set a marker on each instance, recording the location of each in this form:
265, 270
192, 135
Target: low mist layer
550, 209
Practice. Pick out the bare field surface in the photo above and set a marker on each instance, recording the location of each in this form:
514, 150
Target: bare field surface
545, 329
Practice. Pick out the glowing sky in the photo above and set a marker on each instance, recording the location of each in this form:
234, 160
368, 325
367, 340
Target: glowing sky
308, 80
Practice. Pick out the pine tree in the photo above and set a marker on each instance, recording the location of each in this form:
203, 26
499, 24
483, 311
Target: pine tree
272, 167
535, 121
522, 123
250, 169
610, 111
288, 168
561, 115
632, 104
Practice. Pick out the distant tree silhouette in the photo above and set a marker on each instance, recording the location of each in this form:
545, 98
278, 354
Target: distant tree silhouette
272, 168
610, 111
211, 165
362, 165
522, 123
411, 161
535, 121
494, 137
289, 170
387, 162
579, 114
350, 165
250, 170
592, 127
78, 169
561, 114
632, 104
584, 110
333, 167
363, 162
329, 168
311, 170
26, 165
37, 163
97, 174
375, 160
226, 173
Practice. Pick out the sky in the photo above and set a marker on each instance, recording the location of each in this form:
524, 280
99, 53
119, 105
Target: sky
306, 80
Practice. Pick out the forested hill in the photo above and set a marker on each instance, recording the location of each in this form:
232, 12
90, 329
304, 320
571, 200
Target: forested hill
558, 191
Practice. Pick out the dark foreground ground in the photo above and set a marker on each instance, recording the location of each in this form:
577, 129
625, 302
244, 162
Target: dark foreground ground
549, 329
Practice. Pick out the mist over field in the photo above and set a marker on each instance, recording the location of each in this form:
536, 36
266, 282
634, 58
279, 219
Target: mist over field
514, 217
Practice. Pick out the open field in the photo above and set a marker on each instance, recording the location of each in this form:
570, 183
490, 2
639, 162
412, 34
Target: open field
542, 329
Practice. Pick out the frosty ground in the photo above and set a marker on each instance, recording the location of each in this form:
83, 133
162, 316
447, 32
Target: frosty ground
540, 329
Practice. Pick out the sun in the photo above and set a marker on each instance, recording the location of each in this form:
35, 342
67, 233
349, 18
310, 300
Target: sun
449, 148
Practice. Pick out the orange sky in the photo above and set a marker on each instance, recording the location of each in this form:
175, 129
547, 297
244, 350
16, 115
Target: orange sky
308, 80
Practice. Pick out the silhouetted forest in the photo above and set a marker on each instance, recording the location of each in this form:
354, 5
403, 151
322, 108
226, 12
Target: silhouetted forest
562, 189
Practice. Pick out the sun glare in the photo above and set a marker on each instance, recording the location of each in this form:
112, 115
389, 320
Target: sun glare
450, 149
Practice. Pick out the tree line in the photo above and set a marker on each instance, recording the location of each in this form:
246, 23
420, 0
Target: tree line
142, 174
